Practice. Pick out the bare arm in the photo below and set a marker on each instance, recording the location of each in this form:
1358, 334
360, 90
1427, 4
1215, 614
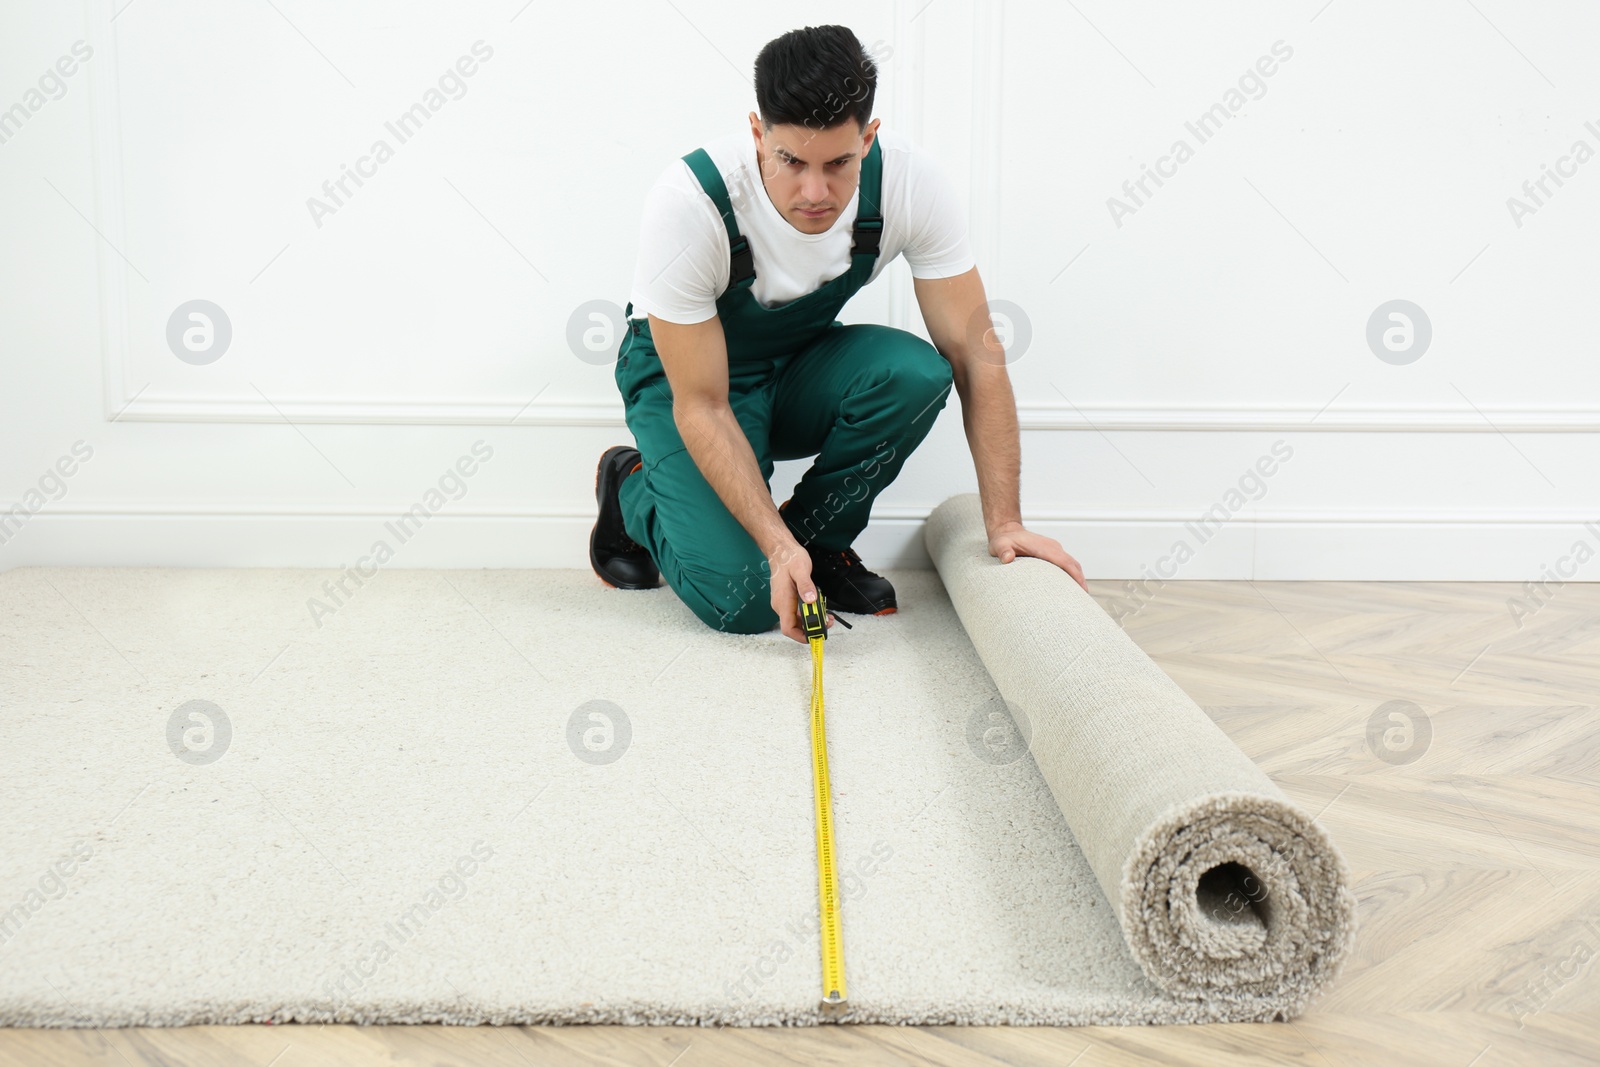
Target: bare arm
957, 315
695, 359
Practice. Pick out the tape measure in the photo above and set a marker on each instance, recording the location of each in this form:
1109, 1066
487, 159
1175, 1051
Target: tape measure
813, 622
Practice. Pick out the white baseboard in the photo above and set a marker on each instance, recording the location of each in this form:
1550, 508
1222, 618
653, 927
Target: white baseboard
1285, 546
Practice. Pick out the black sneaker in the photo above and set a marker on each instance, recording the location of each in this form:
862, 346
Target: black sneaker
619, 560
846, 581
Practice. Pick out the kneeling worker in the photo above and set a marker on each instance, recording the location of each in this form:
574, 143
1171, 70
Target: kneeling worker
749, 249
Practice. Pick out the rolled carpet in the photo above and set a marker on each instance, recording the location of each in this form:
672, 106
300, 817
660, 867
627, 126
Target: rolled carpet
1226, 892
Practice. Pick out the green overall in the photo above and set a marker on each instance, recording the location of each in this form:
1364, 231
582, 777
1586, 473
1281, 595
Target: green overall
860, 397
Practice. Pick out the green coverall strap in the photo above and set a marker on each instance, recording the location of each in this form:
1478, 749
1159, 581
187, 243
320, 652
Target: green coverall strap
869, 221
743, 273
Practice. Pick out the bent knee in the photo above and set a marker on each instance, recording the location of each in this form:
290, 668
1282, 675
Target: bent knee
918, 363
733, 601
924, 380
932, 371
750, 619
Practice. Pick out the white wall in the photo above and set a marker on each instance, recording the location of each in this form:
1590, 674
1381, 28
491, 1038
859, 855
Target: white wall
1168, 349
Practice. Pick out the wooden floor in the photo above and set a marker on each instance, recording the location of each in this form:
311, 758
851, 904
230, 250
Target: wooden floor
1473, 833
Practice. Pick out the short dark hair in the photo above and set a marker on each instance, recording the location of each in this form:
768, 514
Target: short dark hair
818, 77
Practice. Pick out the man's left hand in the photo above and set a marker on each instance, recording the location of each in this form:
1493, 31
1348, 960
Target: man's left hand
1012, 540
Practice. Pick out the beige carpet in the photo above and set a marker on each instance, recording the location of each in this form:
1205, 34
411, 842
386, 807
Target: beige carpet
521, 796
1226, 892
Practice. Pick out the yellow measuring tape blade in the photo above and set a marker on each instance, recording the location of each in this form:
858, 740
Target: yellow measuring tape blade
833, 991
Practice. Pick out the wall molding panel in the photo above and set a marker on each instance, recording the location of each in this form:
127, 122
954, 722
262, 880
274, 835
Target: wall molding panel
1214, 277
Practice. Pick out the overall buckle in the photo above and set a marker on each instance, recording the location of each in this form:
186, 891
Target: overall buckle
742, 267
867, 231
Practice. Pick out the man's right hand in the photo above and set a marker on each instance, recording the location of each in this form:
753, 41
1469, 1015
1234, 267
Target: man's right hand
790, 567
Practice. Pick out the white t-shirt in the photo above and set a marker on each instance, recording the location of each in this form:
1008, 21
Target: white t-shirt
683, 259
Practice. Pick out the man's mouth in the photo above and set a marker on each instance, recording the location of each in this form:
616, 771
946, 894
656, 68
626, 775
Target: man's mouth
815, 214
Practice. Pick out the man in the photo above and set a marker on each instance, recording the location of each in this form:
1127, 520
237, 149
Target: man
747, 254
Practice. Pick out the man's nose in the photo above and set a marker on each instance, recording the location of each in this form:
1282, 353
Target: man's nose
814, 188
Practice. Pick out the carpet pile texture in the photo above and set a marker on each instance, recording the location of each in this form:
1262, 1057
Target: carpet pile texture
1227, 893
520, 796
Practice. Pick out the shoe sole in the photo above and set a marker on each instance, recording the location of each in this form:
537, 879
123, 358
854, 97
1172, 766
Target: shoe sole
599, 500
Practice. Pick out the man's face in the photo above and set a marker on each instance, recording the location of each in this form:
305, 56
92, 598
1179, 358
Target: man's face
805, 169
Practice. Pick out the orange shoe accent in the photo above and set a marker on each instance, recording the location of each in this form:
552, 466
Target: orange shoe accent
885, 611
636, 466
